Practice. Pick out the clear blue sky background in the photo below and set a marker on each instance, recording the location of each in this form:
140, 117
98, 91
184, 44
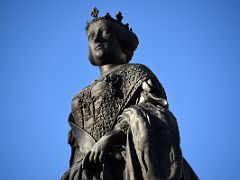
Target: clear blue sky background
192, 46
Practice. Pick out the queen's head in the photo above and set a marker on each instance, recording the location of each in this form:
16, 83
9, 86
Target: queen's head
109, 40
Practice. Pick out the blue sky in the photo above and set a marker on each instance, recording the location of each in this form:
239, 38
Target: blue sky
192, 46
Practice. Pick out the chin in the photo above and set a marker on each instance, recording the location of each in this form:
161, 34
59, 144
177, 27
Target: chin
101, 61
98, 62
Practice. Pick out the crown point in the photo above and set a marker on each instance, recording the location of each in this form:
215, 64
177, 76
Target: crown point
108, 15
94, 12
119, 16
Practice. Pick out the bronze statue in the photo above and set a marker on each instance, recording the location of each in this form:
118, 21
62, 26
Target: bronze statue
121, 127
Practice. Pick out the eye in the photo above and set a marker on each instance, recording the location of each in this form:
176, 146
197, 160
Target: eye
91, 36
106, 32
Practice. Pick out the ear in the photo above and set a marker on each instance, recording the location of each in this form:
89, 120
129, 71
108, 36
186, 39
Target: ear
124, 57
128, 54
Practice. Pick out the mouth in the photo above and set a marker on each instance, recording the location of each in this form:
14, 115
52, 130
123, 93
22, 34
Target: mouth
98, 47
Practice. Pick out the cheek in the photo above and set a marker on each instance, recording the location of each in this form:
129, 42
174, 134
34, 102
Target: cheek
90, 47
117, 47
113, 43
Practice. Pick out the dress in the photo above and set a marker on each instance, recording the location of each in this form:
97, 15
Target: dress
128, 98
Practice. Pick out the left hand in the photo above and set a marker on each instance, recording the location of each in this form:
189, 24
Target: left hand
98, 152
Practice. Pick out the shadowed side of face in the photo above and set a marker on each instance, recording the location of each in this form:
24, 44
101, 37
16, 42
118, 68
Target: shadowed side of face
104, 47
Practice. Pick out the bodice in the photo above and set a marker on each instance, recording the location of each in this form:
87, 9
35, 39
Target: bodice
95, 108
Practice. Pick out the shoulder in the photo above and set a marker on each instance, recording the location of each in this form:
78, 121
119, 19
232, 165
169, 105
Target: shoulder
142, 69
146, 72
138, 69
81, 92
137, 66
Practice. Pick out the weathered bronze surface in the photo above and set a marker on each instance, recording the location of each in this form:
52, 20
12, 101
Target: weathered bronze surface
121, 126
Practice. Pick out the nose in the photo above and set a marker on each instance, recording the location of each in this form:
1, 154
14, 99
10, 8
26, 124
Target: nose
97, 37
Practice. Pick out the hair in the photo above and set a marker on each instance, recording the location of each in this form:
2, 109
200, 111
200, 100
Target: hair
126, 38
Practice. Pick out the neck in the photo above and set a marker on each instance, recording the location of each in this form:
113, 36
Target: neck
106, 68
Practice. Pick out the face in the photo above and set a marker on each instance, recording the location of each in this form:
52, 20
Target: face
104, 48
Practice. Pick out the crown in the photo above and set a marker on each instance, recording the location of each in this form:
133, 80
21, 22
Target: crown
94, 14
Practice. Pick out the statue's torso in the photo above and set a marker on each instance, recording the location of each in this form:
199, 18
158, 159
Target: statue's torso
96, 108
